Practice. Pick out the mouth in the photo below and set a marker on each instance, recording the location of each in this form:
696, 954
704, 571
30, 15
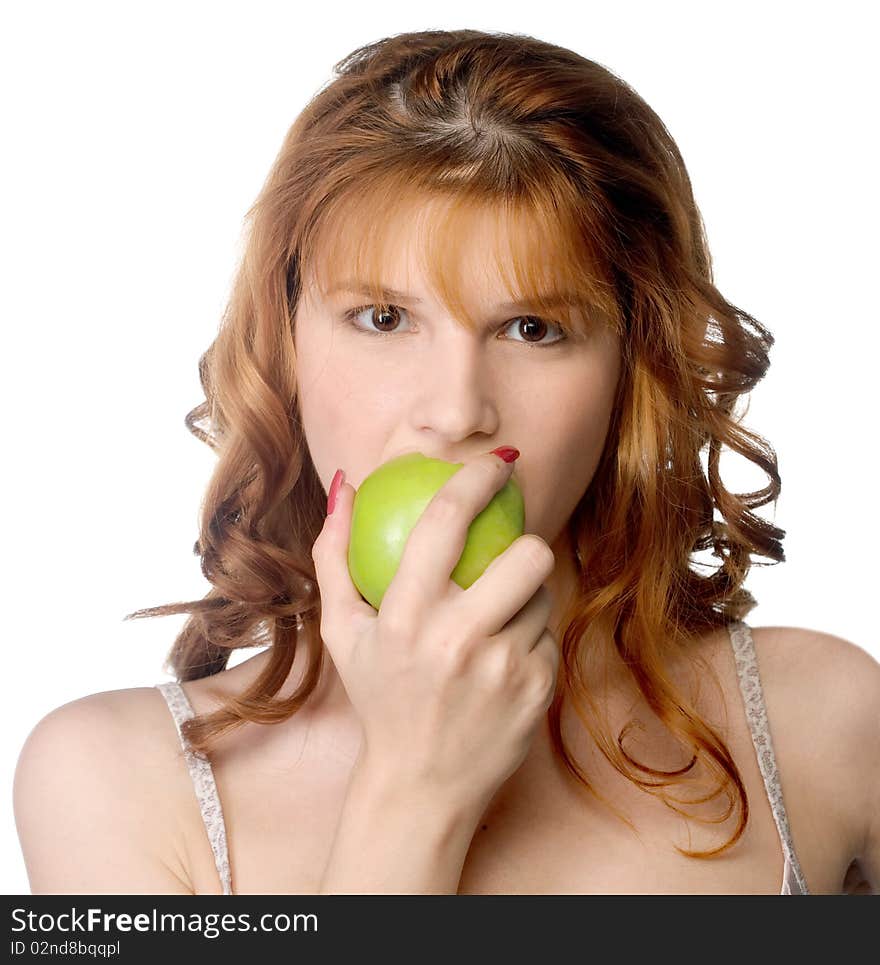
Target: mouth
456, 460
440, 457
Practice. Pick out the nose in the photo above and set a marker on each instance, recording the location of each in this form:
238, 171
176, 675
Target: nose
454, 396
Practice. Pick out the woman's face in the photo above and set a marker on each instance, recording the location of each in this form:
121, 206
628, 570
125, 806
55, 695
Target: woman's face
430, 385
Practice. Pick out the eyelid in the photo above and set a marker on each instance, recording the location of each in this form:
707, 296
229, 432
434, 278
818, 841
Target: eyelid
350, 315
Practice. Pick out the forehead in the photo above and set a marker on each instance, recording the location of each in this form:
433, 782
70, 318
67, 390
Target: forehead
407, 247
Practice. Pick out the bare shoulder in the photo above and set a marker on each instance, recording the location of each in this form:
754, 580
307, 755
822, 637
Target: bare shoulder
836, 681
801, 648
94, 797
823, 697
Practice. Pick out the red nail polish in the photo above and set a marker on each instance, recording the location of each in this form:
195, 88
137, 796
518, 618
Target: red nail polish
507, 453
334, 490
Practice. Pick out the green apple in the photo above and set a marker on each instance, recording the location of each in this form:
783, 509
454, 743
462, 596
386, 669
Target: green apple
390, 501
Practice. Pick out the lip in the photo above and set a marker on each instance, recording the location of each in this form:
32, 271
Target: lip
443, 458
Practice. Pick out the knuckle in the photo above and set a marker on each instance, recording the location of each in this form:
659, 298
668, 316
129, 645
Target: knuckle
505, 667
443, 508
539, 553
539, 678
457, 654
544, 682
544, 676
325, 624
319, 548
395, 625
458, 646
494, 468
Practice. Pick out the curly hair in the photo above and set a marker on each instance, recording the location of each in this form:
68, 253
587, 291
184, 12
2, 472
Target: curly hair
567, 150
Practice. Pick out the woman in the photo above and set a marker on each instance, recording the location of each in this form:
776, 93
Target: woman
484, 248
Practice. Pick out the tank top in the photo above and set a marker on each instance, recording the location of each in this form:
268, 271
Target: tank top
793, 882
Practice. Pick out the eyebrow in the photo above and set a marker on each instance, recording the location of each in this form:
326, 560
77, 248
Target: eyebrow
390, 294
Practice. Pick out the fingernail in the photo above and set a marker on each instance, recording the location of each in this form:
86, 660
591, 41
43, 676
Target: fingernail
507, 453
334, 490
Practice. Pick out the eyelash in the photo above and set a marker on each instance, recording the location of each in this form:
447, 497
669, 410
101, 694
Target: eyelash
350, 316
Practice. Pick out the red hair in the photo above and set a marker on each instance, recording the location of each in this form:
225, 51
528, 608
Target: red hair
565, 152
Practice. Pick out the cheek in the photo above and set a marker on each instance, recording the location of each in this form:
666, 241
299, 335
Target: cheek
344, 419
323, 377
592, 422
321, 408
567, 457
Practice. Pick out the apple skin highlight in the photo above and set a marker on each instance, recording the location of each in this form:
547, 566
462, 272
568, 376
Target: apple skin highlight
388, 504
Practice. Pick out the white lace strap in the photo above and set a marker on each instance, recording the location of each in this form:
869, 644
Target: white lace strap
202, 776
756, 714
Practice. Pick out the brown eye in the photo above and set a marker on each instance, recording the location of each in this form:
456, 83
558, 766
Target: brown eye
534, 330
385, 318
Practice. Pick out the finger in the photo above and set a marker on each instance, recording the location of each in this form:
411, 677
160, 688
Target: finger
341, 602
546, 651
524, 629
437, 540
507, 585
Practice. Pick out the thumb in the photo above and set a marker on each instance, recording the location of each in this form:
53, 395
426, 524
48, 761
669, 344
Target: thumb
341, 600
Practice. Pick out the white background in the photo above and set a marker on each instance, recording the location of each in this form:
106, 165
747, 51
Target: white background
137, 135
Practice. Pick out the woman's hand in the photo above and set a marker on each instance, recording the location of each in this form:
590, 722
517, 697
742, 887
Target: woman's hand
449, 684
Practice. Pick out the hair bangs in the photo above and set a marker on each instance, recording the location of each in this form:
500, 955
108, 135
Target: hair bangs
530, 249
